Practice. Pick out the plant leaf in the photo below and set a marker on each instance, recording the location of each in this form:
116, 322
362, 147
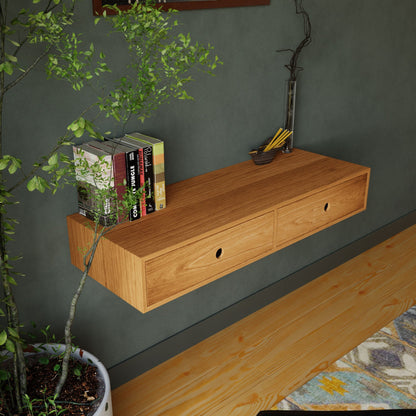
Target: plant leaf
53, 160
13, 333
37, 183
10, 346
31, 185
3, 337
4, 163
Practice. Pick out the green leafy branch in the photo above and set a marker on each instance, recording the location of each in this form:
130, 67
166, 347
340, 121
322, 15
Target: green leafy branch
160, 69
160, 62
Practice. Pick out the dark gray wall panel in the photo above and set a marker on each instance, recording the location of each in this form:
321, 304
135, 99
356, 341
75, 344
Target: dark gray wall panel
355, 102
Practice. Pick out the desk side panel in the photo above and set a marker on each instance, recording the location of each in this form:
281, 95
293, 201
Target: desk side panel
113, 267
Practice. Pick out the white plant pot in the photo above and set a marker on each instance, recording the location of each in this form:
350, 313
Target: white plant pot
105, 408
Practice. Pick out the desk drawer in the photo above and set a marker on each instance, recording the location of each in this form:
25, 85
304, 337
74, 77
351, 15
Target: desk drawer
191, 266
316, 212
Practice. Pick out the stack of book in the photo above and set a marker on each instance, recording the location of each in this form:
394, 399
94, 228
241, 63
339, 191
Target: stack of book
132, 161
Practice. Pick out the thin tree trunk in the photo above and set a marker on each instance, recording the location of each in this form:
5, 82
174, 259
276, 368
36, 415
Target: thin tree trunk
19, 363
88, 259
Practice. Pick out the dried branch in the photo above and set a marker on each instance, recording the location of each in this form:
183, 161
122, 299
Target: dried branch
307, 29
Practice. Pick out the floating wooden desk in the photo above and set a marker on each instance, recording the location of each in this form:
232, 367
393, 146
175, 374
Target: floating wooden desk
219, 222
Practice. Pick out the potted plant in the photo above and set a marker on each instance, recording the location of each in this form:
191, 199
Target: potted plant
158, 70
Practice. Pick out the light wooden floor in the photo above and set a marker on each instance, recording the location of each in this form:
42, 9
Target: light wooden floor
257, 361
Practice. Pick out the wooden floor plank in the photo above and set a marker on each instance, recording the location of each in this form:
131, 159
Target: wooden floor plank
250, 365
285, 378
276, 350
213, 352
200, 359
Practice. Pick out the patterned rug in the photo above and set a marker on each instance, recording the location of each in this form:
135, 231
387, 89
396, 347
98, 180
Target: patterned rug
378, 374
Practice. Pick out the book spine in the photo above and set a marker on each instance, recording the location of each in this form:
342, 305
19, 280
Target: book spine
159, 176
140, 162
132, 176
149, 179
120, 181
158, 167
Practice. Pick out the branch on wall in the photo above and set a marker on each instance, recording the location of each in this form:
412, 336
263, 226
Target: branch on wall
307, 29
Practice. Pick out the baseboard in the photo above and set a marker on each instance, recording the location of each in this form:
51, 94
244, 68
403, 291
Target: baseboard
144, 361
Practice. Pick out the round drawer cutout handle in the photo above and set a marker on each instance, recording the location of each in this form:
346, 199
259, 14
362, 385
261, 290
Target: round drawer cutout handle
218, 254
326, 207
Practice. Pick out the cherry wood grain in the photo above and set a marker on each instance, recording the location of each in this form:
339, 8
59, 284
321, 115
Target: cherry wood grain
256, 362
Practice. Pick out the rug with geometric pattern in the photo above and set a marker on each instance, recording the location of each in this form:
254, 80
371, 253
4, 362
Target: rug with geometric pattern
378, 374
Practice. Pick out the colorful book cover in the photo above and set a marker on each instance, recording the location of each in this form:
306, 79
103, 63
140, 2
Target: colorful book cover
88, 185
146, 164
93, 155
88, 205
133, 178
148, 177
118, 153
140, 163
158, 167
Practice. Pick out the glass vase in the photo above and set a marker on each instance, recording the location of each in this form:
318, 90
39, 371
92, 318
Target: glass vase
290, 113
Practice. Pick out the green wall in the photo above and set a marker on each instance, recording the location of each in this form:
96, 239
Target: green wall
355, 102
